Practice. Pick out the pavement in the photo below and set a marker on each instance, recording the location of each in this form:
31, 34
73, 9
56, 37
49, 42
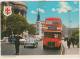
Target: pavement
71, 50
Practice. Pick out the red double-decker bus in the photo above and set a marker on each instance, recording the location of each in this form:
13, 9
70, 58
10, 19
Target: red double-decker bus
52, 33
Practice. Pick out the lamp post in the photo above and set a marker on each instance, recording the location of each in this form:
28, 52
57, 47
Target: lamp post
69, 24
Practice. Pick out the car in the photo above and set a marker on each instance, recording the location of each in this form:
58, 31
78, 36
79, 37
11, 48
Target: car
12, 39
5, 39
31, 42
22, 41
38, 37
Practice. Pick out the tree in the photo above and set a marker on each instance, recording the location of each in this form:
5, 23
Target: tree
3, 20
31, 29
16, 24
2, 16
75, 35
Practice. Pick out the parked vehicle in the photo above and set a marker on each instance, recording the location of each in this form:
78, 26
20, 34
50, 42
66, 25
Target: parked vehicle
22, 41
31, 42
5, 39
11, 39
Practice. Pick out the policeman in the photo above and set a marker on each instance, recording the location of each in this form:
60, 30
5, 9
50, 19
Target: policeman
17, 43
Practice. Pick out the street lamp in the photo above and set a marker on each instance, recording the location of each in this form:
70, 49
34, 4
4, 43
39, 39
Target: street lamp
69, 25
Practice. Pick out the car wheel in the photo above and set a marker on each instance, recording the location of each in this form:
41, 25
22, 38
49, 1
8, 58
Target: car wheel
35, 46
24, 46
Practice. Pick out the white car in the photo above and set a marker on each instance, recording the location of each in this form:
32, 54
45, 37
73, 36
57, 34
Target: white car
22, 41
5, 39
31, 42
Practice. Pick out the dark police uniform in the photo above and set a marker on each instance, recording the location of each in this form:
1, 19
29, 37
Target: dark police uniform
17, 43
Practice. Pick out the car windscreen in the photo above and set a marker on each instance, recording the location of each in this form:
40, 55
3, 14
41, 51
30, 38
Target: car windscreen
30, 39
52, 34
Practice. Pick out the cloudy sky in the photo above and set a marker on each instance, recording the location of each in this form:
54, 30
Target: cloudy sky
67, 11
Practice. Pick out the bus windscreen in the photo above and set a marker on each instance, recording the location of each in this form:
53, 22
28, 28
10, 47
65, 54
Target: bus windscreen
52, 35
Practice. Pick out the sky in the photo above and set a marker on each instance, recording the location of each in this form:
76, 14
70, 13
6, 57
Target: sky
68, 11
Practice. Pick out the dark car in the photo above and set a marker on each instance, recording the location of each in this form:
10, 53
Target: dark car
12, 39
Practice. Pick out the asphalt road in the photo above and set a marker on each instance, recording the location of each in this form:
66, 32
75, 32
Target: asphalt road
39, 51
8, 49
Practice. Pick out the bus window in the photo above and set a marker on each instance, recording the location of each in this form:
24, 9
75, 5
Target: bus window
52, 35
55, 35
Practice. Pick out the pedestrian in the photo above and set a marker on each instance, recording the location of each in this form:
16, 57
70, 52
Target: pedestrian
77, 42
9, 39
73, 41
17, 44
68, 43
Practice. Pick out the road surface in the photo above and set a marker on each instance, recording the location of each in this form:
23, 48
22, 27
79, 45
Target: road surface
9, 49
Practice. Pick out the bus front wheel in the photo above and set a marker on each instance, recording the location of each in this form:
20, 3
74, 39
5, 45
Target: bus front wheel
44, 47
